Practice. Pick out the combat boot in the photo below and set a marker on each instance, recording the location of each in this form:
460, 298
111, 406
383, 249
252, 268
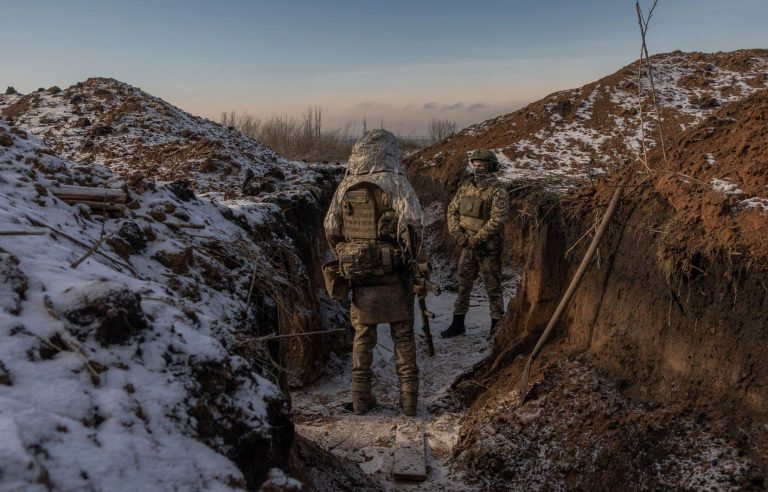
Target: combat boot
408, 401
456, 328
362, 402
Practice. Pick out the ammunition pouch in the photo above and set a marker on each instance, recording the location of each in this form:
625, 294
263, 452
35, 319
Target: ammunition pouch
336, 285
359, 260
471, 213
471, 224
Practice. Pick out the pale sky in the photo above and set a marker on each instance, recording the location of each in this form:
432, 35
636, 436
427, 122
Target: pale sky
398, 62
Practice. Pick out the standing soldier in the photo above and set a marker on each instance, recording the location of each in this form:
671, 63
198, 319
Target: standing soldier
374, 227
476, 217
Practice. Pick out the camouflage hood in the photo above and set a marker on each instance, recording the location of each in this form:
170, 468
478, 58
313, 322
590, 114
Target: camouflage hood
376, 159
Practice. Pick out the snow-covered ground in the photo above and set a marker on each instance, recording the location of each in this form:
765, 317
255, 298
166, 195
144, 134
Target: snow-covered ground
119, 373
322, 411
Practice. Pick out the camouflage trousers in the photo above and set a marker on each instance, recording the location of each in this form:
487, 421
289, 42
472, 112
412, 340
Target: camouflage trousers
489, 264
405, 355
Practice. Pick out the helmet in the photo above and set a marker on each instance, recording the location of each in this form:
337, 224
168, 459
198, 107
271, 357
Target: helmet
486, 156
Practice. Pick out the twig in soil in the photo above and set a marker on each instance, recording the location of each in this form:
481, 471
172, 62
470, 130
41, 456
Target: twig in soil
22, 233
115, 262
91, 250
644, 53
302, 334
572, 286
78, 349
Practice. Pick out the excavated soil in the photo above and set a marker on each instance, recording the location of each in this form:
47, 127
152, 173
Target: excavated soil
654, 375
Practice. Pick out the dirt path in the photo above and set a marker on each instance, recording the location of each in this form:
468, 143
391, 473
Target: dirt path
320, 414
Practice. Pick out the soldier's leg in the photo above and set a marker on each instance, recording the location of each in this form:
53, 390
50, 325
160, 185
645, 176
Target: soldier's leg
467, 274
405, 363
490, 266
362, 359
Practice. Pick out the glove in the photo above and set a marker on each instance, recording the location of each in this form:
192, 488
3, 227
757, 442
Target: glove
462, 241
419, 289
473, 243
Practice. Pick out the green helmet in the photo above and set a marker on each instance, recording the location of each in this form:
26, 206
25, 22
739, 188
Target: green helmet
486, 156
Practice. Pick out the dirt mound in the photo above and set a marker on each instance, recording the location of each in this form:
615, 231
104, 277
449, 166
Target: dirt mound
721, 197
577, 135
109, 122
669, 314
581, 432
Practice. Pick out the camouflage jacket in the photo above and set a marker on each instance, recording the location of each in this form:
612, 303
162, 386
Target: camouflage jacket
478, 211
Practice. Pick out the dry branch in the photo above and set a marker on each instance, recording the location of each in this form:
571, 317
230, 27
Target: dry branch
22, 233
88, 193
115, 262
91, 250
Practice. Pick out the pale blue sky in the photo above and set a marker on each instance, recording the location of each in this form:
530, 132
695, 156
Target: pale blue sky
399, 61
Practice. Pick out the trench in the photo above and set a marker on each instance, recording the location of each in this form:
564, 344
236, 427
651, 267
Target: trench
322, 410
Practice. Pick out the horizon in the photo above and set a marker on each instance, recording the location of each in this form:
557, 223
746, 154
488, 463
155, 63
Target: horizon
400, 65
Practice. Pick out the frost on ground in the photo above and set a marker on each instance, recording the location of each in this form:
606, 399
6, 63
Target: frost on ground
577, 431
576, 135
108, 122
322, 412
124, 373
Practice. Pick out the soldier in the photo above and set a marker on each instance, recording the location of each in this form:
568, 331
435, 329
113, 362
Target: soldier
374, 227
476, 217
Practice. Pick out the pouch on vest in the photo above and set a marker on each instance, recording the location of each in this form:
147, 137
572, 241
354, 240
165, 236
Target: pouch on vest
336, 285
471, 213
359, 217
359, 260
387, 227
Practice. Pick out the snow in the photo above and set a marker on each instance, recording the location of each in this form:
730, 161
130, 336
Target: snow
149, 135
131, 426
604, 129
725, 187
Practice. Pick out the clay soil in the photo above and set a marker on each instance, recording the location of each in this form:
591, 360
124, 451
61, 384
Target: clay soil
654, 378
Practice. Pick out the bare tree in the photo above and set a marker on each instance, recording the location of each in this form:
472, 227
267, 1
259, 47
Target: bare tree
440, 129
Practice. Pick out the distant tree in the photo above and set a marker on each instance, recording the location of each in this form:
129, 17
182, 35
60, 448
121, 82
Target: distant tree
440, 129
10, 91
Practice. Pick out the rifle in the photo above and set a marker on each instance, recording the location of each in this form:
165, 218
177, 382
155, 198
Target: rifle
421, 273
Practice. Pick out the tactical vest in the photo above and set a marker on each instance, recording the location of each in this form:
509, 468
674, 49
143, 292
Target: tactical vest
473, 212
370, 246
359, 216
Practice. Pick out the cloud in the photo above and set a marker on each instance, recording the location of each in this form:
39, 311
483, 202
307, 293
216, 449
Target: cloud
475, 106
457, 105
430, 105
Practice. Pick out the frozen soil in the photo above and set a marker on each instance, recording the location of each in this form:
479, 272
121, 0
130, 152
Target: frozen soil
577, 430
322, 412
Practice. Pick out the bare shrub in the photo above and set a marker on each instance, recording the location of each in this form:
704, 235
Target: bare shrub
302, 139
440, 129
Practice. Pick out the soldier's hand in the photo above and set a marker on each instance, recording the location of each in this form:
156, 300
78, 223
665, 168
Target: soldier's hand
472, 242
462, 241
419, 289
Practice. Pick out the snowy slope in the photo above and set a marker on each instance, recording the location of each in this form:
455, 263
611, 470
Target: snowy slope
123, 373
574, 135
108, 122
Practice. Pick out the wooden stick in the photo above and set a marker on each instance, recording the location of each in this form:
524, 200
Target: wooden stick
115, 262
22, 233
289, 335
571, 287
89, 193
111, 206
91, 250
77, 349
186, 225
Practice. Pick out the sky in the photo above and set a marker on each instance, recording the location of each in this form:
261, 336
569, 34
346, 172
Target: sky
396, 63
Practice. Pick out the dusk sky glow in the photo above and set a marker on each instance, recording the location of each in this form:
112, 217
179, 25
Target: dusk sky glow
397, 62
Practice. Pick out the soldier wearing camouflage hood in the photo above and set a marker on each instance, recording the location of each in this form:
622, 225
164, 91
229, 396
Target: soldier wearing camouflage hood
374, 227
476, 217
